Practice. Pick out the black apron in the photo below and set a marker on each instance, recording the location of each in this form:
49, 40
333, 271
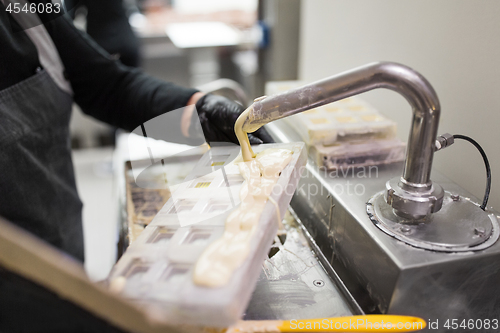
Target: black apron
38, 192
37, 183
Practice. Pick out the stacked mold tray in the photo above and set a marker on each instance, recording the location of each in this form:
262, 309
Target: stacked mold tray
347, 133
156, 270
357, 154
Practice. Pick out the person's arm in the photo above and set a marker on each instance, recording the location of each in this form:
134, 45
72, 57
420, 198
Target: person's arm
187, 114
106, 89
126, 97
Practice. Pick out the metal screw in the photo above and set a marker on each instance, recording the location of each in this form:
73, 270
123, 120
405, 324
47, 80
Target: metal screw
479, 231
390, 196
405, 229
318, 283
455, 197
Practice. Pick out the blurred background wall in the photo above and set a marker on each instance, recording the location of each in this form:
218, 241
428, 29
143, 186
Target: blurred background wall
455, 44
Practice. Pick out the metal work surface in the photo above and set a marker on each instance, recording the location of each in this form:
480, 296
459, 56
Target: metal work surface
294, 285
385, 274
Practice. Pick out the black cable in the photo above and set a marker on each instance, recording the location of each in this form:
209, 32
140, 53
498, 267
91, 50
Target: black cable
486, 163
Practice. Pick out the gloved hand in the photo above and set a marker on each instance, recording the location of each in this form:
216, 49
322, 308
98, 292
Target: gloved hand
217, 116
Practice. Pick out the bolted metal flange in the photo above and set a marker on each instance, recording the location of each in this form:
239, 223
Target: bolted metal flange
459, 226
413, 203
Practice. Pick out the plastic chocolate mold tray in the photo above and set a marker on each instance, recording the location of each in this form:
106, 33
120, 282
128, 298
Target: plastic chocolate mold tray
156, 270
358, 154
347, 120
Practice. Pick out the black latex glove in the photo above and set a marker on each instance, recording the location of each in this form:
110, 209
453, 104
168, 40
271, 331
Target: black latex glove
217, 116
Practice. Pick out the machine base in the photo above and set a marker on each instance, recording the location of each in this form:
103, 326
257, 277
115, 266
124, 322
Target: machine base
460, 226
383, 273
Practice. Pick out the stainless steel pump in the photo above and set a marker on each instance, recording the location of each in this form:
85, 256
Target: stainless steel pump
413, 195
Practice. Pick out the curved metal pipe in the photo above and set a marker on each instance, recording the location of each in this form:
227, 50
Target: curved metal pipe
402, 79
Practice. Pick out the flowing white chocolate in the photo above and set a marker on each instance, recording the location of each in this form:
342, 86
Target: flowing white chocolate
246, 151
217, 263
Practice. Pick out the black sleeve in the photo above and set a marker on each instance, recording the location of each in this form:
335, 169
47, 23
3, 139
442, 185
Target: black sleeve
106, 89
18, 55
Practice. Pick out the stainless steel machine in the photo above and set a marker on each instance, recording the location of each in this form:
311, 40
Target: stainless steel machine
401, 244
388, 238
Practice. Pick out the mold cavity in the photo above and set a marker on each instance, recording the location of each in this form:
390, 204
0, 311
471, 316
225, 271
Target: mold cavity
175, 274
371, 118
311, 111
216, 206
346, 119
182, 206
232, 180
136, 270
161, 235
217, 160
197, 237
317, 121
332, 109
202, 182
357, 108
